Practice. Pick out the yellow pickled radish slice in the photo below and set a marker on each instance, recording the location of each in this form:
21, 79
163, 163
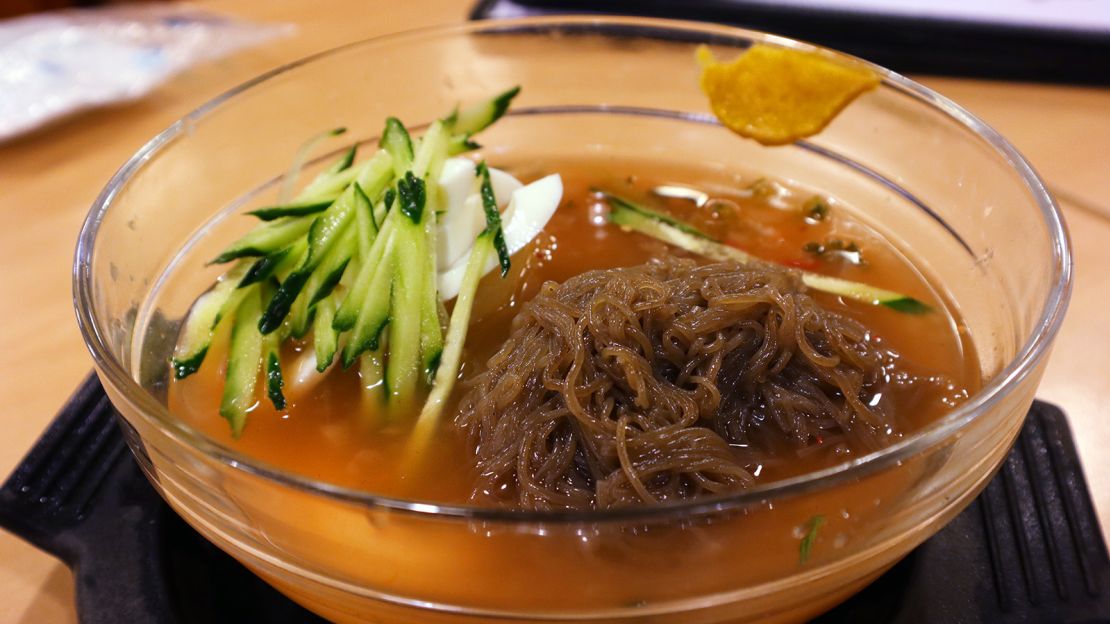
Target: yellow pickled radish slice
778, 95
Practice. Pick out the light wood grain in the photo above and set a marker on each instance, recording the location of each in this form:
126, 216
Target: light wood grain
48, 180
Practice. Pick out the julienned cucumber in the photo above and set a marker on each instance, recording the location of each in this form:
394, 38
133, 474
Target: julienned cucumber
448, 369
299, 160
325, 337
355, 302
428, 164
326, 232
331, 267
663, 227
352, 259
277, 264
403, 362
478, 117
204, 316
292, 209
464, 124
365, 222
493, 218
266, 239
862, 292
448, 365
274, 382
345, 161
625, 210
398, 144
243, 358
365, 311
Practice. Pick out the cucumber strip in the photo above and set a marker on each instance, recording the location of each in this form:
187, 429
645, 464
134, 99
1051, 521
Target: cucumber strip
295, 259
330, 270
396, 140
299, 312
376, 174
332, 185
271, 345
867, 294
277, 263
474, 119
200, 324
373, 308
431, 153
271, 355
460, 318
448, 371
299, 160
300, 318
428, 165
431, 331
329, 227
411, 197
293, 209
461, 143
403, 363
283, 300
906, 305
388, 198
244, 354
324, 234
266, 266
265, 239
643, 221
351, 307
626, 209
345, 161
366, 224
493, 218
274, 381
325, 338
325, 183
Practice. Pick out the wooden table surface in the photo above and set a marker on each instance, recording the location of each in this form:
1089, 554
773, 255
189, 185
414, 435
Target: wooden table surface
49, 179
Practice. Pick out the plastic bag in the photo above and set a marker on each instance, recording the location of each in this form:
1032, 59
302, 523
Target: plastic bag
54, 64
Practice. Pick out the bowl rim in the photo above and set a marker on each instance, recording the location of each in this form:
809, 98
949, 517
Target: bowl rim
1035, 348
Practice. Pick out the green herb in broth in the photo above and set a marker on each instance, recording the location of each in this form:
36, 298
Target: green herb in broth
816, 209
836, 249
806, 546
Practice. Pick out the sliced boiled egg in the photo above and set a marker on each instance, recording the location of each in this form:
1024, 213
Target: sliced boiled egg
462, 218
525, 211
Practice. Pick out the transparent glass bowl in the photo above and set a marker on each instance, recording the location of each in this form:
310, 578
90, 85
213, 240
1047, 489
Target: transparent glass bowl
940, 184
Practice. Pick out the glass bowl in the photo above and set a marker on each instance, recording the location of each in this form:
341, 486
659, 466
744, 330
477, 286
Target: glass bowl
938, 183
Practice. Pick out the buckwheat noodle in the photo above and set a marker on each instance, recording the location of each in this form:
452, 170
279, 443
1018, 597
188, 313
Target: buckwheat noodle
668, 381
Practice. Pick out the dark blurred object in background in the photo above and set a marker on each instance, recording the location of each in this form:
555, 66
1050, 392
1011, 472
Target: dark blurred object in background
1031, 40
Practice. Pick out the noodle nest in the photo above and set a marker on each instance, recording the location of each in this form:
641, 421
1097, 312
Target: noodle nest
668, 381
